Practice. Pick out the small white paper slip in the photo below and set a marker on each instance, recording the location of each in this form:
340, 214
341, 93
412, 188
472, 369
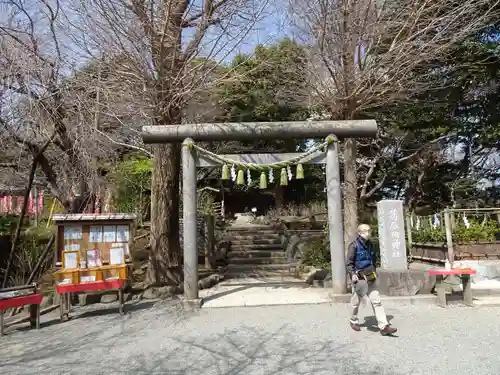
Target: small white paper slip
72, 232
95, 234
72, 247
87, 279
116, 255
109, 233
122, 233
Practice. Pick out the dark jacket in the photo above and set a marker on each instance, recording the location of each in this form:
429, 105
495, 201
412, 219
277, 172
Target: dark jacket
351, 260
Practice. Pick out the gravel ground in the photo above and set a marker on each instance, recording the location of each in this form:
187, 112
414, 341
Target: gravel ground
306, 339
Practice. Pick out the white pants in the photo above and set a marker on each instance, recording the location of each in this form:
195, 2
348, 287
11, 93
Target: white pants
374, 297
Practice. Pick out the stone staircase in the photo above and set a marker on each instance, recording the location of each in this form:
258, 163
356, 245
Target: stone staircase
256, 251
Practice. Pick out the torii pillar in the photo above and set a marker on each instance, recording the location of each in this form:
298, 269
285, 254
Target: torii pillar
252, 131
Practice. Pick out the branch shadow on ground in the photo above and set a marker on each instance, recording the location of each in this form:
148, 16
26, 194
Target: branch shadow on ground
79, 336
165, 340
248, 351
97, 310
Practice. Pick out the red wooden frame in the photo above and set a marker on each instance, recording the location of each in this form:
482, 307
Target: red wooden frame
20, 301
95, 285
453, 271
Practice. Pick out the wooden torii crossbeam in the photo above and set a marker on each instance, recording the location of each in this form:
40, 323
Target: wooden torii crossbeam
188, 133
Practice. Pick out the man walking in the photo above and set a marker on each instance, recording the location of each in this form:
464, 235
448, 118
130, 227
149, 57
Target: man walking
361, 268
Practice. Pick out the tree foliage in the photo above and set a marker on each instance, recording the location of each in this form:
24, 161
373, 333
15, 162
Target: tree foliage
371, 54
268, 85
131, 179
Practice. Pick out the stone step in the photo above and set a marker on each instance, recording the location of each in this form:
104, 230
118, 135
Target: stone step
270, 247
263, 267
307, 235
249, 226
308, 231
256, 241
253, 232
252, 236
256, 254
258, 261
259, 273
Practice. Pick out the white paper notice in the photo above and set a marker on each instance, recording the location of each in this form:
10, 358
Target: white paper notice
116, 255
71, 260
72, 247
124, 245
73, 233
95, 234
122, 233
87, 279
109, 233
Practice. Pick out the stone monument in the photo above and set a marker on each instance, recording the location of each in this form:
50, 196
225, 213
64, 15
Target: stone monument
391, 233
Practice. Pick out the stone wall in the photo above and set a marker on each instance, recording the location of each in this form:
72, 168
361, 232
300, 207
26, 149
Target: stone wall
462, 251
486, 269
429, 251
390, 283
478, 250
405, 283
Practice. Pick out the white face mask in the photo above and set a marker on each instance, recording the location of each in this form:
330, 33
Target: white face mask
366, 234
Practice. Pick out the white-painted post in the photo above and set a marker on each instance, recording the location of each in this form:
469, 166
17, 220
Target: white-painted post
189, 222
449, 236
335, 220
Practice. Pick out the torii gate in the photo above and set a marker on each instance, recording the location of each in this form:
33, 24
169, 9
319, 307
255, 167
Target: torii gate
191, 159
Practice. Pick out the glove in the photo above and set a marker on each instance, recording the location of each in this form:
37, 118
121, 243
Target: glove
354, 278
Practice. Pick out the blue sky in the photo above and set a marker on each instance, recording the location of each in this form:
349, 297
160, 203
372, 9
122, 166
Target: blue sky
273, 25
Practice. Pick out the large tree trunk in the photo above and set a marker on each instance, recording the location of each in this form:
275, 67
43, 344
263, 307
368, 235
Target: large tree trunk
350, 191
165, 254
165, 257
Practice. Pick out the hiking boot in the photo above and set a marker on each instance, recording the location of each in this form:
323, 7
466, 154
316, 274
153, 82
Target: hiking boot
355, 326
388, 330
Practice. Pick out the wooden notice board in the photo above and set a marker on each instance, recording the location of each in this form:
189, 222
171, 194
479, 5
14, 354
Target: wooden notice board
93, 241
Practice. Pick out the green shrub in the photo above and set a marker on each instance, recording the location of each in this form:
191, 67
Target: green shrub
477, 232
131, 180
317, 254
429, 234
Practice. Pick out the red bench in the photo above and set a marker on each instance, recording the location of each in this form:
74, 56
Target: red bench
463, 273
34, 300
66, 290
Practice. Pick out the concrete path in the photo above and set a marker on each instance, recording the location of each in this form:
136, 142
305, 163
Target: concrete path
250, 295
270, 292
307, 339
